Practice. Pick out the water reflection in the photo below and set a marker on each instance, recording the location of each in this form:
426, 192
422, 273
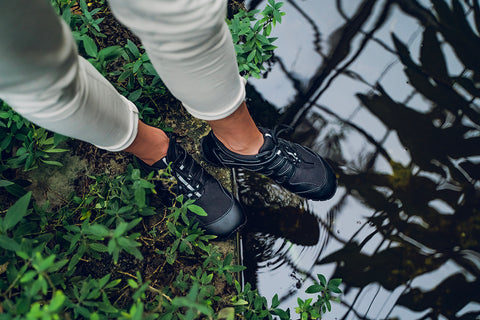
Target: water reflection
274, 243
388, 91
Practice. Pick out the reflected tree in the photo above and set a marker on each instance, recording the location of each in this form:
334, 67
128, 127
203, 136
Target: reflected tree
443, 144
419, 237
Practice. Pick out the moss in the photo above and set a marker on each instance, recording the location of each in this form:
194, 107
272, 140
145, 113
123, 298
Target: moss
56, 184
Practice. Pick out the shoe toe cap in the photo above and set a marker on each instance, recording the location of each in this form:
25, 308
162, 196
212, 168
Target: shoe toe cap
315, 182
228, 223
225, 215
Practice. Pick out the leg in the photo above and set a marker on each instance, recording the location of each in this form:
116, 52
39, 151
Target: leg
49, 84
190, 46
52, 86
238, 132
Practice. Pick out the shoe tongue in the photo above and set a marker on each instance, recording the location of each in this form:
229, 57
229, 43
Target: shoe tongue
160, 164
267, 142
173, 152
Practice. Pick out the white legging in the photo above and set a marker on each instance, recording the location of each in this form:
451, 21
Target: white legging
44, 79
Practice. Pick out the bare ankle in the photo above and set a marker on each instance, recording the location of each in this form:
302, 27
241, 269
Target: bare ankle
247, 145
238, 132
150, 145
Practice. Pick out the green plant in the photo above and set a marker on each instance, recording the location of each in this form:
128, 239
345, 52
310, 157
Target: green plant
92, 292
307, 310
252, 43
187, 235
254, 306
116, 200
13, 127
221, 266
27, 144
47, 311
138, 77
37, 146
85, 27
104, 57
194, 302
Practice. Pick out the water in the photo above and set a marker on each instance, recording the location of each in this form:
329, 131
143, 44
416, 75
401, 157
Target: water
403, 134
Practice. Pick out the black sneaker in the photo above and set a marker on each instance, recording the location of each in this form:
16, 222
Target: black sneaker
296, 168
225, 215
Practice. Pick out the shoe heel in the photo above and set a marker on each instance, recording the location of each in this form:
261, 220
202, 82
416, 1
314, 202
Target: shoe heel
206, 143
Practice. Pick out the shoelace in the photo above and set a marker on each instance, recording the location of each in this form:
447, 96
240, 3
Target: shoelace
190, 176
282, 160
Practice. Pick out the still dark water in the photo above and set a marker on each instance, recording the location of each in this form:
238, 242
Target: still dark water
388, 92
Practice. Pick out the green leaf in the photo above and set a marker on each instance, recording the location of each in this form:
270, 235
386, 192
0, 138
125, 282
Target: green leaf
113, 283
281, 313
90, 46
98, 247
226, 313
315, 288
110, 53
277, 17
132, 283
268, 30
146, 185
45, 264
126, 74
140, 197
84, 7
263, 39
4, 183
314, 314
334, 283
133, 96
57, 265
22, 255
197, 210
5, 142
55, 150
137, 65
57, 302
103, 281
235, 268
16, 212
238, 287
133, 48
251, 56
322, 279
98, 230
53, 163
29, 275
275, 301
240, 302
9, 244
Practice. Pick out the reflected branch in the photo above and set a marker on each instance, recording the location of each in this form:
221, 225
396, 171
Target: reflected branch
337, 54
297, 84
339, 6
316, 31
303, 109
363, 132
